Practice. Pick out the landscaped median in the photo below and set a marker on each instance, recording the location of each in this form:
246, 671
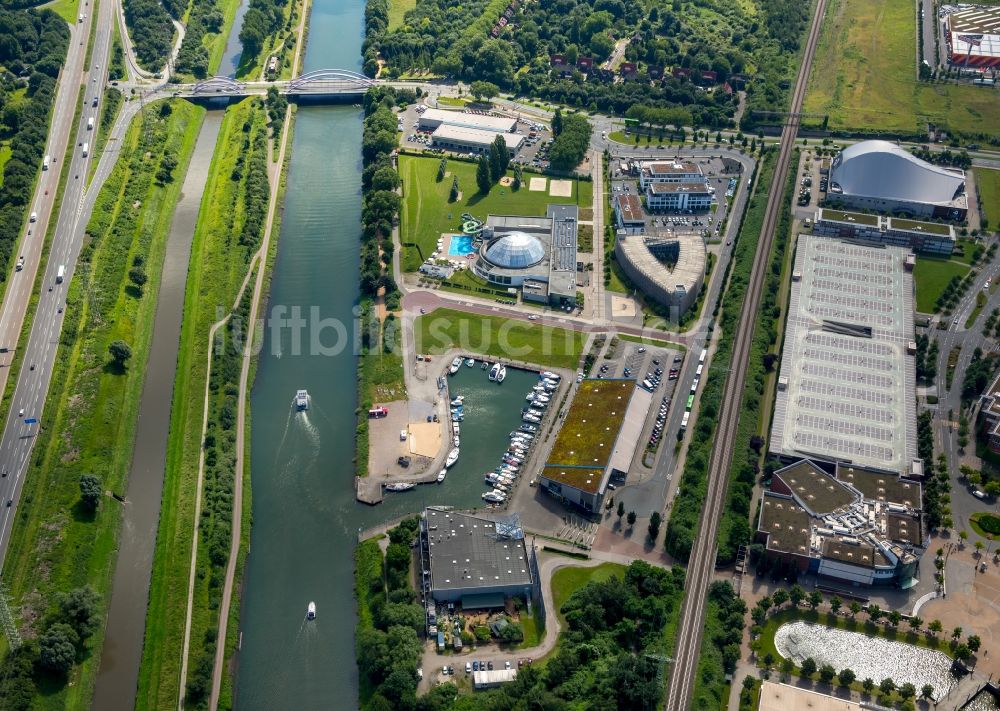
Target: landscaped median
60, 541
230, 224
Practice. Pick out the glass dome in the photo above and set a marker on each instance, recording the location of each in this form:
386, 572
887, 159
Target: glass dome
515, 250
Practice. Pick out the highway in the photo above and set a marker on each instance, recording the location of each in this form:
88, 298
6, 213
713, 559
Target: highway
28, 400
702, 562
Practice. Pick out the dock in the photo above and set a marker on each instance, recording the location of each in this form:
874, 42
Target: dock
368, 490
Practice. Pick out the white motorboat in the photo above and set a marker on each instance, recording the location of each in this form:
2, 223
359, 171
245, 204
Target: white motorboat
541, 397
470, 362
485, 365
495, 371
452, 457
527, 417
502, 374
301, 400
539, 388
455, 365
400, 486
528, 428
494, 497
455, 441
550, 375
457, 400
311, 611
441, 475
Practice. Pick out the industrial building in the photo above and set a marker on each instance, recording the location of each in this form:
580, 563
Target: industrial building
670, 270
629, 215
692, 196
492, 678
474, 560
846, 388
861, 526
596, 442
465, 140
535, 254
669, 172
972, 35
433, 118
881, 176
925, 237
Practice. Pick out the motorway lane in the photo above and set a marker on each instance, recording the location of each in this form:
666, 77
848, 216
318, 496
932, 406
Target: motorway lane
30, 391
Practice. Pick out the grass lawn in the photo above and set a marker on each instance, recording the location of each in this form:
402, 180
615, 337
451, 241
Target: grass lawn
398, 8
864, 76
5, 153
589, 428
988, 182
532, 631
66, 9
426, 212
92, 408
931, 276
444, 329
652, 342
566, 581
218, 265
983, 520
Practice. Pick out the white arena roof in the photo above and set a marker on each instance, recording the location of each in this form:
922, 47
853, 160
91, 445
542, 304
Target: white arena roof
483, 122
884, 171
475, 137
846, 386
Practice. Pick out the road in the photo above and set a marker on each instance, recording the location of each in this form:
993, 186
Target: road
702, 562
36, 372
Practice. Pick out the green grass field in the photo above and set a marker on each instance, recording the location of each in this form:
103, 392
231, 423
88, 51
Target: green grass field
398, 8
988, 182
66, 9
218, 265
426, 213
566, 581
864, 75
444, 329
92, 408
931, 276
5, 153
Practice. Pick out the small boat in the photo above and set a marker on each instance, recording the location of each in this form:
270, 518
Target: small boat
528, 428
455, 365
485, 365
528, 417
495, 371
457, 402
502, 374
452, 457
311, 611
301, 400
470, 362
539, 388
550, 375
494, 497
455, 441
441, 475
400, 486
457, 410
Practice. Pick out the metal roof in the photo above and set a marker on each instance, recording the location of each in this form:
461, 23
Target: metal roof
884, 171
475, 136
483, 122
515, 250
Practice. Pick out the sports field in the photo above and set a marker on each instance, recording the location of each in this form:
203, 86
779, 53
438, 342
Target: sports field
864, 75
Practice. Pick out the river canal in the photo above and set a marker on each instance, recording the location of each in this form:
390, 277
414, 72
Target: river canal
305, 517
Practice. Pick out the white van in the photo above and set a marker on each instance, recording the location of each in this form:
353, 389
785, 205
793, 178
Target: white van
34, 217
90, 124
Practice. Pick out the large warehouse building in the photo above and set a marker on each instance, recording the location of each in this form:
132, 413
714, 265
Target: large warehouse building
881, 176
464, 140
433, 118
669, 270
474, 560
972, 34
846, 389
861, 526
535, 254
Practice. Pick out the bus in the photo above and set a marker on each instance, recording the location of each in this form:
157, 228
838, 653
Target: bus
684, 421
690, 403
704, 354
698, 372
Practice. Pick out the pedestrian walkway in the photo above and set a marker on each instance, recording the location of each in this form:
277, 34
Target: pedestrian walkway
577, 530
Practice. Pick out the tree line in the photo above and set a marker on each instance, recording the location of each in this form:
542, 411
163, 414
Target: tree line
33, 46
263, 19
572, 139
151, 29
205, 18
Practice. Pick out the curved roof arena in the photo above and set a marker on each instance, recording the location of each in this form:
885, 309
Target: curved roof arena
515, 250
884, 171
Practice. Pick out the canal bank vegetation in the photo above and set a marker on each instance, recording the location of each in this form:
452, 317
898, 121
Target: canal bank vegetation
687, 508
207, 28
280, 44
380, 373
262, 21
390, 619
230, 224
720, 646
67, 527
496, 337
36, 50
151, 29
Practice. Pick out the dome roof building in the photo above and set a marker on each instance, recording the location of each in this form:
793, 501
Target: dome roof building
515, 250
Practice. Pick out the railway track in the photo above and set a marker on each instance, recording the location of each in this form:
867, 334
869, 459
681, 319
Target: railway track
702, 561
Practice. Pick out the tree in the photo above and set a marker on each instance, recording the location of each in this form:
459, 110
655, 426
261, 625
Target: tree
927, 691
935, 627
453, 195
874, 612
621, 510
962, 652
835, 604
80, 608
631, 518
887, 686
120, 352
808, 667
796, 595
855, 608
895, 617
748, 682
57, 648
557, 122
973, 643
485, 90
518, 177
826, 673
780, 597
907, 691
91, 491
846, 677
868, 684
654, 525
137, 275
442, 169
787, 666
915, 623
499, 158
964, 535
483, 175
815, 598
956, 633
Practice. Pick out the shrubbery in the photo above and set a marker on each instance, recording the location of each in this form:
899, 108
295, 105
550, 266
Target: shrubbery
151, 30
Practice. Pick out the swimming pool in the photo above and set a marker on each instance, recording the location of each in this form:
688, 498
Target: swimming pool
460, 245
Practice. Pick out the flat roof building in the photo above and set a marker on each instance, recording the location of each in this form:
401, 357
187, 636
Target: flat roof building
669, 270
462, 139
925, 237
669, 172
881, 176
989, 410
468, 556
433, 118
973, 37
861, 526
846, 388
597, 441
695, 196
783, 697
629, 215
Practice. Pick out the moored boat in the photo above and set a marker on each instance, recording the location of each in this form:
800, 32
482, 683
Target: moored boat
502, 374
495, 371
455, 365
470, 362
452, 457
441, 475
400, 486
